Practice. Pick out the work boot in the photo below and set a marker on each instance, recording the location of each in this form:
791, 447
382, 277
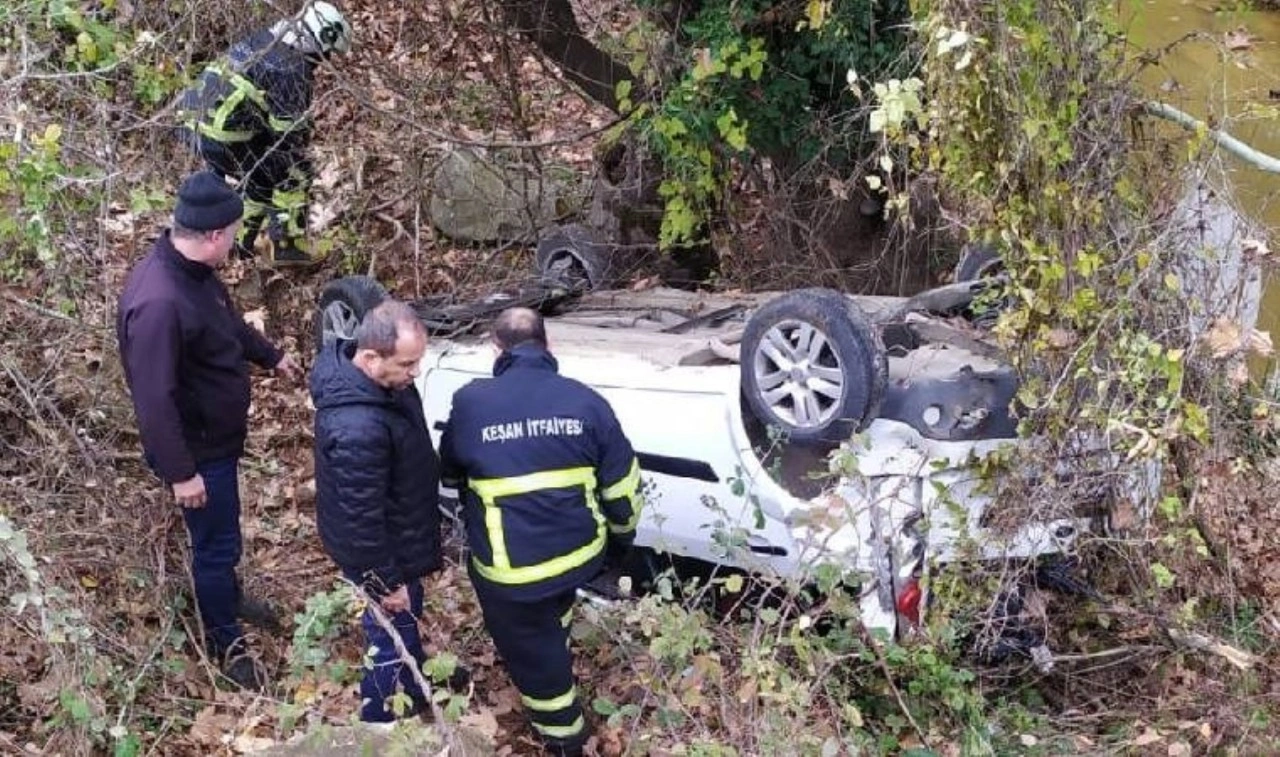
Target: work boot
286, 254
260, 613
572, 747
564, 750
243, 669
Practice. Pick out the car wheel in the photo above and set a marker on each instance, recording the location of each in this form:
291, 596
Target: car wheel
343, 303
978, 261
813, 365
982, 263
575, 256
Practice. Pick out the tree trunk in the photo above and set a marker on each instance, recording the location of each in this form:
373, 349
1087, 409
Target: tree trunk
551, 25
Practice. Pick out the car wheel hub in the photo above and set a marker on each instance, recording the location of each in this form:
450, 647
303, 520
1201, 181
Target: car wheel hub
799, 374
340, 321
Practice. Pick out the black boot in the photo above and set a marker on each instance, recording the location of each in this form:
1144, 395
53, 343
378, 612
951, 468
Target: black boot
287, 254
243, 669
260, 613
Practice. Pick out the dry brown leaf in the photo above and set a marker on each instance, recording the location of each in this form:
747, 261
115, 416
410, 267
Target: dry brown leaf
248, 744
1238, 39
1060, 339
1223, 338
1149, 736
211, 726
483, 721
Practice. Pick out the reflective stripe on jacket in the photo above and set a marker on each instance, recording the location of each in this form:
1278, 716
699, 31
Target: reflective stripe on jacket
259, 93
549, 476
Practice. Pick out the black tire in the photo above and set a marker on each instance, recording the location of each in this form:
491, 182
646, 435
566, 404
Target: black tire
575, 256
851, 353
343, 303
982, 263
978, 261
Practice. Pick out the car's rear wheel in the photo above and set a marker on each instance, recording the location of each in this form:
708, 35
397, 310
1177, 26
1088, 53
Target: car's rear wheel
813, 365
982, 263
978, 261
343, 304
575, 256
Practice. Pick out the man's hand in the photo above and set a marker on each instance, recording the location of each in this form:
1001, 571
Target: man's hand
396, 601
288, 368
190, 493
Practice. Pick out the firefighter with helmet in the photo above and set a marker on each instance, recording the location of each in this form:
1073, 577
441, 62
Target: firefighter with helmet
247, 117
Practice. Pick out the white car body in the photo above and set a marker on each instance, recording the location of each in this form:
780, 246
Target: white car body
677, 397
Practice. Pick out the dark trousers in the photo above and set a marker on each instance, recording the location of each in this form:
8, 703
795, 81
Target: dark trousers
274, 183
388, 672
215, 552
533, 639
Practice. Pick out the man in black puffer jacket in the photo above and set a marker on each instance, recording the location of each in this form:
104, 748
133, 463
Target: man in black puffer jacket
377, 486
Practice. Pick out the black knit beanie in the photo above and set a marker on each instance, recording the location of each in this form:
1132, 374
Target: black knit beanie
205, 202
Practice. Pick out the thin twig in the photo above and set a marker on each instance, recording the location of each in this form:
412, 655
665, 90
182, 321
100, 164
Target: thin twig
381, 618
888, 677
44, 310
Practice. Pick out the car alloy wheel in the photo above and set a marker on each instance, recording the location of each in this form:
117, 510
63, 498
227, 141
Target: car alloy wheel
799, 374
813, 365
343, 304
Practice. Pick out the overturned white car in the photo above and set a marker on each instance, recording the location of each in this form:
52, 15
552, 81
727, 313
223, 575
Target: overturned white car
732, 401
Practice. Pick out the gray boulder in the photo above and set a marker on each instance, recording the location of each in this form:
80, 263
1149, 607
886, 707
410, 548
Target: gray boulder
480, 197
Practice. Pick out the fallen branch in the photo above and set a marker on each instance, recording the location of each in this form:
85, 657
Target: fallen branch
40, 309
1227, 142
380, 617
1237, 657
874, 646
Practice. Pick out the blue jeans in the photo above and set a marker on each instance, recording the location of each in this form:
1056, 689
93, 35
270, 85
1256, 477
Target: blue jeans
215, 552
388, 671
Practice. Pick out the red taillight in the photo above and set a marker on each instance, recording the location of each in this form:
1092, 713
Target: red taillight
909, 601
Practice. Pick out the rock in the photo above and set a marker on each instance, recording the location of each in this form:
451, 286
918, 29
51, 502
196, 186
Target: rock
409, 738
477, 197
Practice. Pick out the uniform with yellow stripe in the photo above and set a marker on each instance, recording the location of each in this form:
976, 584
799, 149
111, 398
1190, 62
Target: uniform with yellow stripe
247, 116
549, 484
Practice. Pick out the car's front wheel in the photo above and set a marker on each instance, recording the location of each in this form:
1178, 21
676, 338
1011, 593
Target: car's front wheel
813, 365
343, 304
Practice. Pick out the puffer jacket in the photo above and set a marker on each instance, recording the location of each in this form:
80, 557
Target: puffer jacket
377, 475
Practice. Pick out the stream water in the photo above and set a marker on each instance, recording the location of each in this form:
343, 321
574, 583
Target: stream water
1229, 73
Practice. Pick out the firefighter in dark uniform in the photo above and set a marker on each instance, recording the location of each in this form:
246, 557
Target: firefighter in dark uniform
551, 494
246, 116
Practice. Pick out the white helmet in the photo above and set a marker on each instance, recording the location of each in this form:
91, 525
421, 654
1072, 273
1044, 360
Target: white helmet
327, 28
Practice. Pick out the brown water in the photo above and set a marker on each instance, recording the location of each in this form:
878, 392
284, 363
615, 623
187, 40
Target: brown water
1234, 88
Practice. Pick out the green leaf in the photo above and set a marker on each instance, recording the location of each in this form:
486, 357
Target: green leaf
603, 706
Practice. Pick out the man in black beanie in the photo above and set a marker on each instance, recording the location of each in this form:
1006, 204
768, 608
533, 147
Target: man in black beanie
185, 351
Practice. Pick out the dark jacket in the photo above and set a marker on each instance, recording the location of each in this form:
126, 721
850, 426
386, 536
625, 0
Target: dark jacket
546, 454
184, 348
255, 98
377, 476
